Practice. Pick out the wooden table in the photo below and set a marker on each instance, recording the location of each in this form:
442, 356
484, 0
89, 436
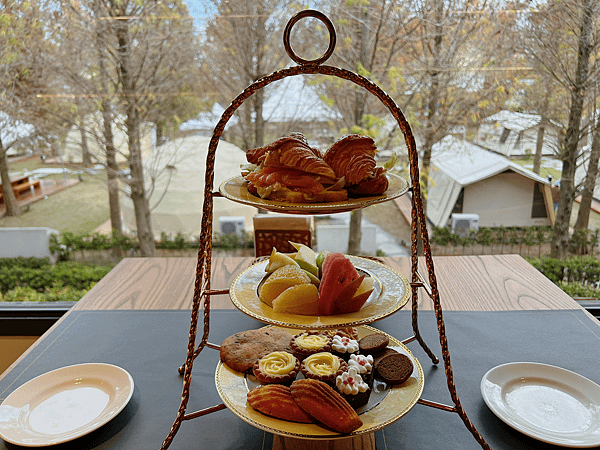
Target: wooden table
21, 186
466, 283
492, 283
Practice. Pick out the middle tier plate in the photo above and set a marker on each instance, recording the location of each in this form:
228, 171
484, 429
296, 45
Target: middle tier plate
391, 292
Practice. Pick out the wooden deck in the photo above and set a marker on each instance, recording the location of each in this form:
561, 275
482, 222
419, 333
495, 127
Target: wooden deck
48, 187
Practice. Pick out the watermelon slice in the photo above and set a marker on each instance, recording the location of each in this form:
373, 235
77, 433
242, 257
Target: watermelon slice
338, 272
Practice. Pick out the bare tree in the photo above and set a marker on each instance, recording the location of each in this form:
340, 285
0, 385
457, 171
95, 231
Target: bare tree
589, 183
453, 44
243, 42
146, 57
563, 39
21, 77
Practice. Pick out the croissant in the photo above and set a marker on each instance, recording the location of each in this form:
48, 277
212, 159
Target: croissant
291, 152
253, 155
376, 184
352, 157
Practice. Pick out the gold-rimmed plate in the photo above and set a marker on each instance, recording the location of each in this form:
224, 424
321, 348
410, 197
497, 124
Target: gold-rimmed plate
391, 292
233, 388
235, 189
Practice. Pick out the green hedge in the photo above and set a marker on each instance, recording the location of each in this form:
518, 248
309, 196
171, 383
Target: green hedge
64, 279
581, 242
578, 276
56, 293
528, 236
68, 242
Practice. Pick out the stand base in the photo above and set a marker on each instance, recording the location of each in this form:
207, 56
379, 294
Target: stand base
362, 442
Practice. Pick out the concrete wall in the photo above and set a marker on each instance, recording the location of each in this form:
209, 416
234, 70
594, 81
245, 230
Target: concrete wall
335, 239
26, 242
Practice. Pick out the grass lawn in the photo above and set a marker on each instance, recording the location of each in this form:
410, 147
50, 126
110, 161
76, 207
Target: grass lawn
79, 209
594, 222
544, 171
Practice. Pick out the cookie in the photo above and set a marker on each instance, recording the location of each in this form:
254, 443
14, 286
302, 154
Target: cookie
382, 354
276, 400
241, 350
373, 343
394, 369
325, 404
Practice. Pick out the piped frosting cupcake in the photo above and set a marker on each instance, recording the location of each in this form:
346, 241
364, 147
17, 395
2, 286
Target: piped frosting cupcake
344, 346
364, 366
352, 387
276, 367
323, 366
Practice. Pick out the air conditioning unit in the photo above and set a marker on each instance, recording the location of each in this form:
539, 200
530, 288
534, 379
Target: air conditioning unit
462, 224
232, 225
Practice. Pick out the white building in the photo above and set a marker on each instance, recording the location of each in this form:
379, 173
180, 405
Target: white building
515, 134
93, 125
466, 178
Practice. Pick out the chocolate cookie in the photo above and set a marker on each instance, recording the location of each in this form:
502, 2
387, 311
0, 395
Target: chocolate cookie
241, 350
373, 343
394, 369
382, 354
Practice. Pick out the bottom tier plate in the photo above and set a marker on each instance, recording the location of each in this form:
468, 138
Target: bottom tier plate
233, 387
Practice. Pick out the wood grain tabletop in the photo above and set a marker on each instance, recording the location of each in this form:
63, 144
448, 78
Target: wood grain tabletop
465, 283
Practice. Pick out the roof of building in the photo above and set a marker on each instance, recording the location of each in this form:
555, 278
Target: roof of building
514, 120
457, 163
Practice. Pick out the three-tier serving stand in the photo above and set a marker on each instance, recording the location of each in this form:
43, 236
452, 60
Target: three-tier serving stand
202, 288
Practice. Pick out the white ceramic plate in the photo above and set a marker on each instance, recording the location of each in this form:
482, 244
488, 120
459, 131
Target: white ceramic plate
64, 404
545, 402
387, 408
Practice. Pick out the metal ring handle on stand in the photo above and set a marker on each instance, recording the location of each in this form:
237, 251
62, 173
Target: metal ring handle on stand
288, 29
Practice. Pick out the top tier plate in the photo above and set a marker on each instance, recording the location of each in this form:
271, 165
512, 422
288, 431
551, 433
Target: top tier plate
235, 189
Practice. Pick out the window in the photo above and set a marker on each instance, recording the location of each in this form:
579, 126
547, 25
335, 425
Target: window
538, 208
458, 206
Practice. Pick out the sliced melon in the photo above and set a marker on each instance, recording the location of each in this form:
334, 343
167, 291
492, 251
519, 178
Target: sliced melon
338, 272
347, 302
280, 280
307, 259
277, 260
301, 299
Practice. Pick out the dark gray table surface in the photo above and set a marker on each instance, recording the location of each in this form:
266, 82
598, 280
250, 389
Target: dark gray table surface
150, 345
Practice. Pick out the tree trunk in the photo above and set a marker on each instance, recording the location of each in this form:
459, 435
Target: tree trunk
432, 103
583, 216
259, 121
560, 239
10, 201
86, 159
138, 192
539, 145
112, 167
355, 232
112, 175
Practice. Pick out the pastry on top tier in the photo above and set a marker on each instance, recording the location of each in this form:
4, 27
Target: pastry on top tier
324, 367
276, 367
309, 343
